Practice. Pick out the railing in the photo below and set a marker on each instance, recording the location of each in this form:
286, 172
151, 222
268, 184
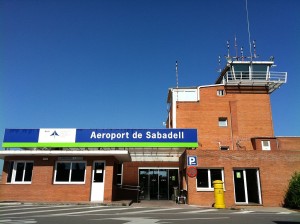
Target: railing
255, 77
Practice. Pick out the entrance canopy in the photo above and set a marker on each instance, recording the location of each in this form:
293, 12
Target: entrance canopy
124, 144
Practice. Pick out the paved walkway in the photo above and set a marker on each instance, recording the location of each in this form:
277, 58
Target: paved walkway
172, 204
161, 204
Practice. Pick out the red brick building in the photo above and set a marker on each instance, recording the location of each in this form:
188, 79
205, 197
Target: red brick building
236, 137
225, 131
97, 165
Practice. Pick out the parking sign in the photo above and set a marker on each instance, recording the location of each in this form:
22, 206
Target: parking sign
192, 161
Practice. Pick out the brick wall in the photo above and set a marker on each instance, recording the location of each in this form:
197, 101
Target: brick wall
275, 168
288, 143
248, 115
257, 143
43, 189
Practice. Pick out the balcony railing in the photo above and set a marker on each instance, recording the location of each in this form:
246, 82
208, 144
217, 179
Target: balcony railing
256, 76
271, 79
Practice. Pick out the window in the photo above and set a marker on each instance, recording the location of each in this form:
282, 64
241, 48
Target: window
70, 172
205, 178
220, 92
20, 172
119, 173
265, 145
224, 147
222, 121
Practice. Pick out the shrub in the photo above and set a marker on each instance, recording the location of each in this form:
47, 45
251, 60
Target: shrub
292, 196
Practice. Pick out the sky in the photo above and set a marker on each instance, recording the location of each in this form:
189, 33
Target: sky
109, 63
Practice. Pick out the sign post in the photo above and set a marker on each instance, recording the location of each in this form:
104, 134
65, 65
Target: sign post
192, 163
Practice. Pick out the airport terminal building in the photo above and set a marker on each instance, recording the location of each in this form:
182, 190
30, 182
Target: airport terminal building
222, 131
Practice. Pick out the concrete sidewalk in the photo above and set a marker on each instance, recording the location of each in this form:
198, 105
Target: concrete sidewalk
172, 204
268, 209
159, 204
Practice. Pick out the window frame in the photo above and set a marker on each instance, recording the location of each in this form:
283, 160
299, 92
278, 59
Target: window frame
220, 92
119, 174
224, 148
221, 122
12, 173
266, 148
210, 185
70, 172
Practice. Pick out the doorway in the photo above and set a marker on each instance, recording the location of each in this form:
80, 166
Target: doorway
157, 184
97, 186
247, 186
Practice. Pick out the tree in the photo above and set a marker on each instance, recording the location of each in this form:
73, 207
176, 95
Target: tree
292, 196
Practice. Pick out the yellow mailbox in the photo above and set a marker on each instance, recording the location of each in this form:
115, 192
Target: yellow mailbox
219, 194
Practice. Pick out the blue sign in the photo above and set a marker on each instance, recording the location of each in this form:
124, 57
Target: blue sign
21, 135
192, 161
64, 137
136, 135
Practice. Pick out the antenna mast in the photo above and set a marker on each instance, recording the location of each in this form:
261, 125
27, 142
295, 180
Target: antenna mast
249, 30
236, 49
254, 49
242, 53
228, 49
176, 67
219, 70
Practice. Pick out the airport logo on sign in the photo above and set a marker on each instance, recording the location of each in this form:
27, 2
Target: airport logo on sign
54, 134
61, 135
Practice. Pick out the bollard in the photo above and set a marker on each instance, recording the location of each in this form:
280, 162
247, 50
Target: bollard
175, 193
219, 194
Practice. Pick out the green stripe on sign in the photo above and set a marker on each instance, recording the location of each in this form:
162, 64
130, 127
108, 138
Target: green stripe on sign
101, 144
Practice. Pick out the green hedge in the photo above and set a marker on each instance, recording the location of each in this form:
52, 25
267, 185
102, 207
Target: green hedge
292, 196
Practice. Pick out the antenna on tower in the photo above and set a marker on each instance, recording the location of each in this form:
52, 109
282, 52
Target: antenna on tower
254, 49
249, 37
236, 57
236, 49
219, 70
228, 49
242, 53
176, 67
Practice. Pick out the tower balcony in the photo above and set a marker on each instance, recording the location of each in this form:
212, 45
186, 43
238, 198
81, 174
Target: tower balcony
251, 75
271, 80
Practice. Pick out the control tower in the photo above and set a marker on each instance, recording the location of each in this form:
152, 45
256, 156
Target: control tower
234, 111
248, 75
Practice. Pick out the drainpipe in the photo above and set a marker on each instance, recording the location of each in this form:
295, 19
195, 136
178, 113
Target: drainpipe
174, 102
231, 131
169, 120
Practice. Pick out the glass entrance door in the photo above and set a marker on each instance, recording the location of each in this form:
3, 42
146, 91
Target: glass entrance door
163, 184
144, 184
239, 186
157, 184
153, 185
247, 186
173, 181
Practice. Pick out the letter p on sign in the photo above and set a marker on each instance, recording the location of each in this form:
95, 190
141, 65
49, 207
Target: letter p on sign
192, 161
